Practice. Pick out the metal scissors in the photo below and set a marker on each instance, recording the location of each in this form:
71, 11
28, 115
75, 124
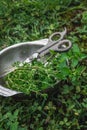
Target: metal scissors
59, 45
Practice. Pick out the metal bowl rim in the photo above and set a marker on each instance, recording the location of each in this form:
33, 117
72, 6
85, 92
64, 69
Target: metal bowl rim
38, 42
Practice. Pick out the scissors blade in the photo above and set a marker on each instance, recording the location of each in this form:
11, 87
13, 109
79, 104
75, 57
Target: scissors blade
46, 49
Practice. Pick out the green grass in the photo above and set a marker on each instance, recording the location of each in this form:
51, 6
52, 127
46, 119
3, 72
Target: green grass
65, 107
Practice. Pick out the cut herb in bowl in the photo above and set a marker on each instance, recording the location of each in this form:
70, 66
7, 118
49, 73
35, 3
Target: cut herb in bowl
38, 76
34, 77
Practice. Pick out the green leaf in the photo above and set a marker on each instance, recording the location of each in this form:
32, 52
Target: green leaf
14, 126
74, 63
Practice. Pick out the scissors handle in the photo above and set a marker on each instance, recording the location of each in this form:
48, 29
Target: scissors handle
62, 46
58, 35
51, 42
58, 45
